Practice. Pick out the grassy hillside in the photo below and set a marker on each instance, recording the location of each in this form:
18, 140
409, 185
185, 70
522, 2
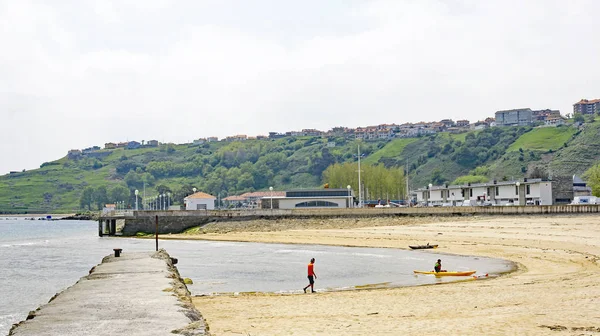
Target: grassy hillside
544, 139
392, 149
229, 168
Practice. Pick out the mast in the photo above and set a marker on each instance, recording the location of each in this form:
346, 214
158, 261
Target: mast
359, 185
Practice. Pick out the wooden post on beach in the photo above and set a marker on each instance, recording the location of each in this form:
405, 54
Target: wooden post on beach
156, 232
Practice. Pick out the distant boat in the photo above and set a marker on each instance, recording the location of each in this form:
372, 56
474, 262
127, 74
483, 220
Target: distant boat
420, 247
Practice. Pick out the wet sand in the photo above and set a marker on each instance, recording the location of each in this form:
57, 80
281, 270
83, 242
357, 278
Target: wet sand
556, 289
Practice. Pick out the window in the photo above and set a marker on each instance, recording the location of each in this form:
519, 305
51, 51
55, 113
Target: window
528, 189
516, 190
497, 191
314, 204
470, 192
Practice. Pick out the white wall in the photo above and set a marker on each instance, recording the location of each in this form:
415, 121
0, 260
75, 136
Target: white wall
290, 203
192, 203
546, 193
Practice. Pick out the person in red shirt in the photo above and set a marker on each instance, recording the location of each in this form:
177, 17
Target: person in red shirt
311, 276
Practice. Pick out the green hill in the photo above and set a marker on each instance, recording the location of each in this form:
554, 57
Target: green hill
230, 168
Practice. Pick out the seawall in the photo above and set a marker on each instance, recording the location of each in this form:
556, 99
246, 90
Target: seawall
134, 294
179, 221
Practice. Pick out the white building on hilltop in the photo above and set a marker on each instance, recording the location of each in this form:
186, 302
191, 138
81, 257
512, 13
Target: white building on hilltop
199, 201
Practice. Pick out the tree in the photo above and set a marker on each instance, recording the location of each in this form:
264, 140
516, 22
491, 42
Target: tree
119, 194
592, 177
437, 178
381, 182
100, 196
87, 198
162, 189
578, 118
183, 192
538, 172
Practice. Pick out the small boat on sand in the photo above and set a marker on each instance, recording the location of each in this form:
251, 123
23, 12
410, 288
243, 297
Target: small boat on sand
420, 247
446, 273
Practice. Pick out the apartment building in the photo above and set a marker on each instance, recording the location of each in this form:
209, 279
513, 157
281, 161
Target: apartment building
515, 117
585, 106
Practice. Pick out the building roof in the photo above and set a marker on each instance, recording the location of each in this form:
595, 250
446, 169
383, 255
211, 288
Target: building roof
586, 101
263, 194
234, 198
483, 185
200, 195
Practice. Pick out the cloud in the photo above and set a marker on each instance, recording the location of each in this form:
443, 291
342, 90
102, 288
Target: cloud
82, 73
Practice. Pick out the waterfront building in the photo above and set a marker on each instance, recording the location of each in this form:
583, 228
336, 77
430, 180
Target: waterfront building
199, 201
310, 199
526, 192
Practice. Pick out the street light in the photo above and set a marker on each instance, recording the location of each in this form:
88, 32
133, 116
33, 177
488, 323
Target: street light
429, 198
349, 200
136, 199
168, 200
271, 189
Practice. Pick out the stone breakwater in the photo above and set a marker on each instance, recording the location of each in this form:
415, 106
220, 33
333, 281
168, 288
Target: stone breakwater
134, 294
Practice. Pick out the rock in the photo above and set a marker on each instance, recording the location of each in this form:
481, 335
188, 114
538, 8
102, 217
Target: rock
188, 281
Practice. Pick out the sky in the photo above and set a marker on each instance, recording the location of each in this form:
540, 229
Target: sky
79, 73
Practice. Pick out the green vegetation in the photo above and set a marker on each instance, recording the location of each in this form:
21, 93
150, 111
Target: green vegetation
544, 139
592, 177
229, 168
378, 181
471, 179
392, 149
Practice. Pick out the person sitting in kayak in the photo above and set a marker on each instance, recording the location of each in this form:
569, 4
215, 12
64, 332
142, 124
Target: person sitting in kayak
438, 266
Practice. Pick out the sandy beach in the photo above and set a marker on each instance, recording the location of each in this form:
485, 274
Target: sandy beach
555, 290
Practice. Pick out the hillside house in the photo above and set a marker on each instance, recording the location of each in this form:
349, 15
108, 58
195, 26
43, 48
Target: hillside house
74, 154
152, 143
212, 139
199, 142
462, 123
311, 132
133, 145
110, 145
585, 106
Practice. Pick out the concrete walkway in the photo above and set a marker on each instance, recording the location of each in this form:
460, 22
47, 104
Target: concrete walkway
135, 294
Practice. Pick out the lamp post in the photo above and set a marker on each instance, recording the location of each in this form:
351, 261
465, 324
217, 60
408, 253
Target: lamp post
349, 199
429, 196
162, 201
168, 200
136, 199
271, 189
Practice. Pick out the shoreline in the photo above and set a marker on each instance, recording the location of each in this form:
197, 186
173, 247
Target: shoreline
554, 287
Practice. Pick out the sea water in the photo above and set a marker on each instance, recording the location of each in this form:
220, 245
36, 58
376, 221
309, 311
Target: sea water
41, 258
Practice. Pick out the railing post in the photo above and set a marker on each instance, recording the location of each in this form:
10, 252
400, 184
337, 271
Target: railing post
156, 231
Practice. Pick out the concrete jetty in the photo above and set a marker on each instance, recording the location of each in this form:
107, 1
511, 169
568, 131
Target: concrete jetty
134, 294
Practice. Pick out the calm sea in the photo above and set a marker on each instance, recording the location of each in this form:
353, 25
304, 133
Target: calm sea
40, 258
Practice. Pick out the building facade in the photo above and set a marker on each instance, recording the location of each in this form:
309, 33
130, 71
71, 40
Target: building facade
585, 106
516, 117
200, 201
526, 192
310, 199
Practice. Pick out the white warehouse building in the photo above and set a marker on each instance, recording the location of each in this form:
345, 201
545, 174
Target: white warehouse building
310, 199
526, 192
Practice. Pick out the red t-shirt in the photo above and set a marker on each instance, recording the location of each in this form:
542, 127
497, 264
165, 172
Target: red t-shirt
311, 271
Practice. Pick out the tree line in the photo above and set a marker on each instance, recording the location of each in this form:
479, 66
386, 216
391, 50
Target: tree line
378, 182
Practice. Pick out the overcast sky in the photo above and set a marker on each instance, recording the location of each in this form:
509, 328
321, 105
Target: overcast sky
80, 73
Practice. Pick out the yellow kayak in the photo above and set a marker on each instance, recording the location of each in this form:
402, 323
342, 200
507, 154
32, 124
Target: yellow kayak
466, 273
